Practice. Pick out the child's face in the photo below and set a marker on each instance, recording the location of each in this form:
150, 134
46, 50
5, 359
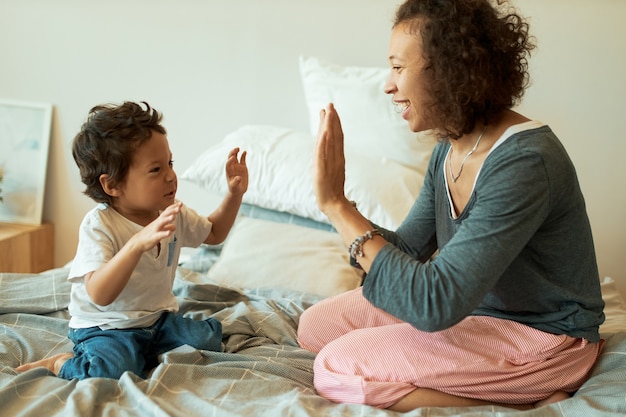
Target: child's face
151, 182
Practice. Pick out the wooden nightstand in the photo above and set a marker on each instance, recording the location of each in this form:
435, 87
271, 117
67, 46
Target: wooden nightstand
26, 248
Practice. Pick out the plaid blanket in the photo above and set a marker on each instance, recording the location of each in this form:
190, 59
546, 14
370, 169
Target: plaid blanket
261, 370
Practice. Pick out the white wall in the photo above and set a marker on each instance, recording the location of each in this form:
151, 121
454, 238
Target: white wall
211, 66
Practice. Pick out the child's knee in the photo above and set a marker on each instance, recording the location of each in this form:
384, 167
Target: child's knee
212, 339
203, 334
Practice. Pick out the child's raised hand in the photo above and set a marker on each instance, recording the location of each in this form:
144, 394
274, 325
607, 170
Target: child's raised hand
160, 228
237, 172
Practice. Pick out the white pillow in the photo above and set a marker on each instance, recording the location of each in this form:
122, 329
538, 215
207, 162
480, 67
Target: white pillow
279, 166
261, 253
614, 308
368, 118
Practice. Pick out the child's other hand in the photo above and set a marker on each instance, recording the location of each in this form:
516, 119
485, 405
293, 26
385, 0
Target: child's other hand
160, 228
237, 172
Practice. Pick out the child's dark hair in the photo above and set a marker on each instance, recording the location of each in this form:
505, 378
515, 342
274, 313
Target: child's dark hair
107, 142
477, 59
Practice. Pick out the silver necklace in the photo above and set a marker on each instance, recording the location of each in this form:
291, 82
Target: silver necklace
456, 177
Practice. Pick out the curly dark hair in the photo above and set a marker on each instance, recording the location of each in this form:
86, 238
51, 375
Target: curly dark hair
477, 59
107, 141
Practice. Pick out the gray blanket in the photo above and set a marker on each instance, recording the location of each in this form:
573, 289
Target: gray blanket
261, 370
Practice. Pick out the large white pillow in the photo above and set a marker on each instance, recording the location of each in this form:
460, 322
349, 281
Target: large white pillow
368, 118
261, 253
279, 165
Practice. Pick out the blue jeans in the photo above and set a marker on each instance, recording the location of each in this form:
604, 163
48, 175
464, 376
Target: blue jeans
109, 353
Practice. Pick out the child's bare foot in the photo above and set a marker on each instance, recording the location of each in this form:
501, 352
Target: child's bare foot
53, 363
557, 396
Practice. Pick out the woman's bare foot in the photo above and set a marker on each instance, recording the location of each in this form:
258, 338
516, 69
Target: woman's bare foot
557, 396
53, 363
422, 397
426, 397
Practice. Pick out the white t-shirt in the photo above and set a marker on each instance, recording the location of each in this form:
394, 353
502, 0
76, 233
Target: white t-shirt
148, 292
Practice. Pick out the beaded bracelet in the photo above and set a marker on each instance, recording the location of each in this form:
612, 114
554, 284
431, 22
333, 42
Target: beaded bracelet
356, 248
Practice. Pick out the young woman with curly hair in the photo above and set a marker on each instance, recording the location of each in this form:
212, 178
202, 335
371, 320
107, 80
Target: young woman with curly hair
488, 292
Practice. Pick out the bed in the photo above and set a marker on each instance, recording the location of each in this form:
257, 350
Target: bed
281, 257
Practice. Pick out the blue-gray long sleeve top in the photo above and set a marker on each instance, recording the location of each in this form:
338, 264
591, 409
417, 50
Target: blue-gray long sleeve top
522, 249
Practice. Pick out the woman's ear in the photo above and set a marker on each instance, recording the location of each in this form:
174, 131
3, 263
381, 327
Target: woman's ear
109, 186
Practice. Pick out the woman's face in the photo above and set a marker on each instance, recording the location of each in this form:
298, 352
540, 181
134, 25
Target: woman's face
406, 80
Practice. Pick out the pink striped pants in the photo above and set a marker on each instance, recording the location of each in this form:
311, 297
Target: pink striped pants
367, 356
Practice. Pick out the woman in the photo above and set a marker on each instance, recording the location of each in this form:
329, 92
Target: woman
488, 293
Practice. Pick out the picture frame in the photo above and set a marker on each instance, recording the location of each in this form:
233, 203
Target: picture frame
25, 129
